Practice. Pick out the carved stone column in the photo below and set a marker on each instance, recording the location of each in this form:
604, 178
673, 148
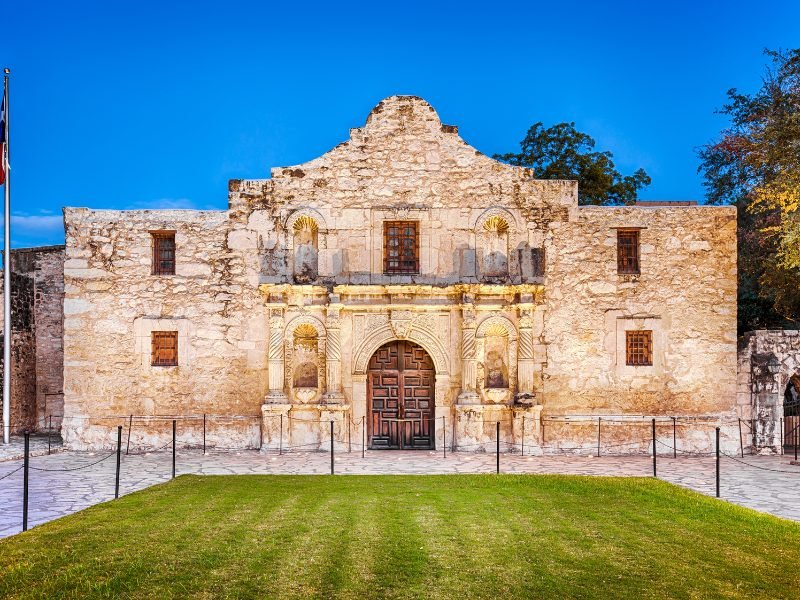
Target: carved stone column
525, 364
276, 394
468, 394
333, 353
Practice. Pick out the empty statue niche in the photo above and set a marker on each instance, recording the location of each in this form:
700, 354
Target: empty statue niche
493, 238
305, 356
306, 249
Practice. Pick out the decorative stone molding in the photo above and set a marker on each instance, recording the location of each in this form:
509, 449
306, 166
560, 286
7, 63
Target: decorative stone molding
378, 331
493, 212
333, 353
307, 212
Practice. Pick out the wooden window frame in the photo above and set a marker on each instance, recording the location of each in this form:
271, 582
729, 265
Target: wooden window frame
402, 267
164, 354
162, 266
639, 348
628, 255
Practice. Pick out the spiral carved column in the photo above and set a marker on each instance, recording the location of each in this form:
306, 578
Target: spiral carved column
469, 370
525, 362
276, 358
333, 357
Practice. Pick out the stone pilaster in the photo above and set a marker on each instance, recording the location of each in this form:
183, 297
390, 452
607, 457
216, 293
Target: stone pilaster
333, 353
277, 394
525, 362
469, 370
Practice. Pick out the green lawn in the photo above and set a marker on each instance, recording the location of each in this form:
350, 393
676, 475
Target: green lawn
453, 536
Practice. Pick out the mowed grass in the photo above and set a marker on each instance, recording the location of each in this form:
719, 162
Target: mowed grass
454, 536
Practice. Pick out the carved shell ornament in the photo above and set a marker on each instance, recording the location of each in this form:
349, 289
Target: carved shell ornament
401, 322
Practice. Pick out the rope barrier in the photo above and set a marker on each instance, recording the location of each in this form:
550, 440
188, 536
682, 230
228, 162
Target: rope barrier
797, 472
75, 468
10, 473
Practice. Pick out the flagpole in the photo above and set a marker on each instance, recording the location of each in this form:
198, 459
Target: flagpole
6, 281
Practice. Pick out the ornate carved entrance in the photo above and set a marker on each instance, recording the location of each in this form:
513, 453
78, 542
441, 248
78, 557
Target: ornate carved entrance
400, 392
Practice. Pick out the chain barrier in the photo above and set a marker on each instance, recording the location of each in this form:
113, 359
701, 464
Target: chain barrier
10, 473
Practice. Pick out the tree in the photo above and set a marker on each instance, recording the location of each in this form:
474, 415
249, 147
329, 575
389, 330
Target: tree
756, 165
562, 152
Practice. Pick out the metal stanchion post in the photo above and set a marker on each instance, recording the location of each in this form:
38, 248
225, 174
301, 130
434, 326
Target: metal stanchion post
654, 448
130, 426
331, 447
498, 446
363, 436
598, 436
174, 427
781, 435
25, 468
349, 440
523, 436
49, 432
204, 434
119, 456
717, 462
674, 439
741, 441
280, 438
444, 437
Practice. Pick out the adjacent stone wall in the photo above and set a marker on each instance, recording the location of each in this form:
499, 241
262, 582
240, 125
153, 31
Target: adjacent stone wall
767, 360
113, 302
37, 286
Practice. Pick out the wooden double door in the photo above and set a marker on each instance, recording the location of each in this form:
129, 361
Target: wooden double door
400, 390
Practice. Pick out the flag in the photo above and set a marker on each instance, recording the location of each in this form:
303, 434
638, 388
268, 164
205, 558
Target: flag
3, 139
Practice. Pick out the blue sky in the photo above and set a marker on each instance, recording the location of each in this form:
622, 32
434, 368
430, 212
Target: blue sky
156, 104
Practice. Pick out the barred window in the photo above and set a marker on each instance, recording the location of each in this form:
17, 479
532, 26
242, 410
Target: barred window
163, 252
628, 251
639, 348
164, 348
401, 247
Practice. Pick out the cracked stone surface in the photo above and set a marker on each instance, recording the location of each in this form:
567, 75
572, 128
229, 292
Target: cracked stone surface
765, 483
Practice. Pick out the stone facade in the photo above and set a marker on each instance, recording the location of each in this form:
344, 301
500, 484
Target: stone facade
282, 303
769, 367
37, 295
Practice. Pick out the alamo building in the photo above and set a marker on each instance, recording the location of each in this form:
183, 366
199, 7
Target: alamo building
412, 291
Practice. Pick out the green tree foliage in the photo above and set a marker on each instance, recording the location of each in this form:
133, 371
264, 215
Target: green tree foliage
562, 152
756, 165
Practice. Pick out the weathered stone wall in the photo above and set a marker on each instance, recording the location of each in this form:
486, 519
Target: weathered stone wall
113, 302
303, 252
36, 350
768, 359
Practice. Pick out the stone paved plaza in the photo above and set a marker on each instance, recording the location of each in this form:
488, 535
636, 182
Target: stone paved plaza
56, 492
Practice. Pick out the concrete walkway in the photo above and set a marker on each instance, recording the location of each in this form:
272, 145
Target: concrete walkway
55, 492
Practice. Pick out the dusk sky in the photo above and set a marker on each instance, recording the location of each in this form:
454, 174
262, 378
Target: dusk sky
139, 105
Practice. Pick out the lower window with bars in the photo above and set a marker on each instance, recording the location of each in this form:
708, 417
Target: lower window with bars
639, 348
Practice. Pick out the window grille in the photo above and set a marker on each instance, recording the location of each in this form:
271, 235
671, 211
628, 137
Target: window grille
639, 348
628, 251
401, 247
163, 252
164, 348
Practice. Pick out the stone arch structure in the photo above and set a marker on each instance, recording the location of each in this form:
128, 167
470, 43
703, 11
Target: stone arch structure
495, 213
298, 361
494, 229
382, 335
305, 229
496, 342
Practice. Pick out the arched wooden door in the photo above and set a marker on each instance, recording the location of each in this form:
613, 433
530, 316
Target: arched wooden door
400, 390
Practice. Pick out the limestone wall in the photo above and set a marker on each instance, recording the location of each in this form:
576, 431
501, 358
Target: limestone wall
113, 302
508, 266
37, 285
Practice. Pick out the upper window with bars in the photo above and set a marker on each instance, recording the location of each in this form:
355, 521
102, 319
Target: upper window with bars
163, 252
628, 252
401, 247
